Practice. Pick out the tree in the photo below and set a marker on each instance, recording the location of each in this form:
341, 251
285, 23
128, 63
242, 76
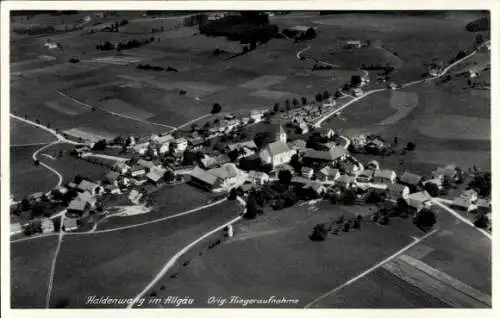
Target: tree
295, 102
245, 49
432, 189
355, 80
318, 97
216, 108
460, 55
169, 176
37, 210
252, 207
395, 142
303, 100
100, 145
288, 106
425, 218
319, 233
482, 221
276, 107
253, 45
36, 163
33, 227
25, 204
481, 183
346, 227
262, 138
349, 197
206, 126
326, 95
285, 177
295, 163
232, 194
410, 146
78, 179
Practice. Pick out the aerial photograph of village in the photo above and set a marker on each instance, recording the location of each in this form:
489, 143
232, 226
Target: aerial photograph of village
250, 159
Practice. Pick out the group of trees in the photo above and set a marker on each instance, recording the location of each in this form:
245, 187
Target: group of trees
481, 183
319, 97
131, 44
148, 67
321, 231
248, 27
216, 108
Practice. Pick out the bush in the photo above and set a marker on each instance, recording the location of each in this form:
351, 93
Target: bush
74, 60
425, 218
482, 221
216, 108
432, 189
285, 177
410, 146
319, 233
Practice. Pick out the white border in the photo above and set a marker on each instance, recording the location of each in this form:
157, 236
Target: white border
492, 5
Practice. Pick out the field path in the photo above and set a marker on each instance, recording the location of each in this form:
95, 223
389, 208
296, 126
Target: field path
174, 258
371, 269
54, 261
113, 113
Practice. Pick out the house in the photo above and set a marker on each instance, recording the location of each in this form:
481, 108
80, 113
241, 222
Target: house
276, 153
147, 164
365, 176
137, 171
155, 175
300, 31
317, 187
349, 167
134, 196
437, 181
353, 44
87, 197
112, 176
203, 179
384, 176
469, 195
79, 207
196, 143
229, 116
256, 116
483, 205
449, 172
303, 128
140, 148
72, 185
396, 191
357, 92
228, 176
393, 86
258, 178
466, 200
333, 154
37, 197
51, 45
92, 188
325, 132
411, 180
179, 145
47, 225
112, 188
121, 167
434, 72
345, 181
70, 224
249, 147
164, 143
297, 146
328, 174
419, 200
307, 172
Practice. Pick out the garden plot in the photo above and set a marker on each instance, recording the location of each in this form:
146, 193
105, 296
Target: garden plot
121, 107
263, 82
116, 60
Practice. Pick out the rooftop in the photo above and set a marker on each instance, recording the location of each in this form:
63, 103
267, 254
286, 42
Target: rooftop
277, 147
203, 175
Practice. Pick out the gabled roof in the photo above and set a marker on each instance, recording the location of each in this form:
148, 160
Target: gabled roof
70, 223
345, 179
77, 205
87, 186
332, 154
329, 171
227, 171
203, 175
145, 163
384, 173
154, 175
277, 147
396, 188
85, 196
112, 176
410, 178
297, 144
420, 197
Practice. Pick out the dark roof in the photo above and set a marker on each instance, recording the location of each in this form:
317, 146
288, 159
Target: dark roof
329, 171
277, 147
410, 178
87, 185
203, 176
112, 175
332, 154
395, 188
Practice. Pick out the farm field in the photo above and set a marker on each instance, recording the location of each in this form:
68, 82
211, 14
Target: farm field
102, 256
166, 201
30, 263
25, 134
307, 269
25, 177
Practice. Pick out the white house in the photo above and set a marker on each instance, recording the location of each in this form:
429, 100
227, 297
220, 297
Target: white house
121, 167
91, 187
328, 174
357, 92
419, 200
257, 177
384, 176
179, 145
307, 172
228, 176
47, 225
396, 191
276, 153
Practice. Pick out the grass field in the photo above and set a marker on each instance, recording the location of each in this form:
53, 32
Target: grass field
25, 134
30, 269
122, 263
25, 177
166, 201
277, 257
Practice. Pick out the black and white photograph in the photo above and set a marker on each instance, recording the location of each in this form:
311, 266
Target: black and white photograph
242, 159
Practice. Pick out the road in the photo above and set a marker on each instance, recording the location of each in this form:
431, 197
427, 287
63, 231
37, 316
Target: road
53, 266
98, 155
356, 99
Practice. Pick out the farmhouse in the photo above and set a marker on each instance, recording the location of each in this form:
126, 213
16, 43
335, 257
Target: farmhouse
179, 145
246, 145
419, 200
411, 180
332, 155
258, 178
228, 176
297, 146
317, 187
91, 187
365, 176
449, 172
384, 176
134, 196
70, 224
154, 175
345, 181
51, 45
137, 170
121, 167
357, 92
276, 153
141, 148
328, 174
112, 188
203, 179
148, 165
352, 44
15, 228
256, 116
300, 31
164, 143
307, 172
434, 72
79, 207
396, 191
325, 132
47, 225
